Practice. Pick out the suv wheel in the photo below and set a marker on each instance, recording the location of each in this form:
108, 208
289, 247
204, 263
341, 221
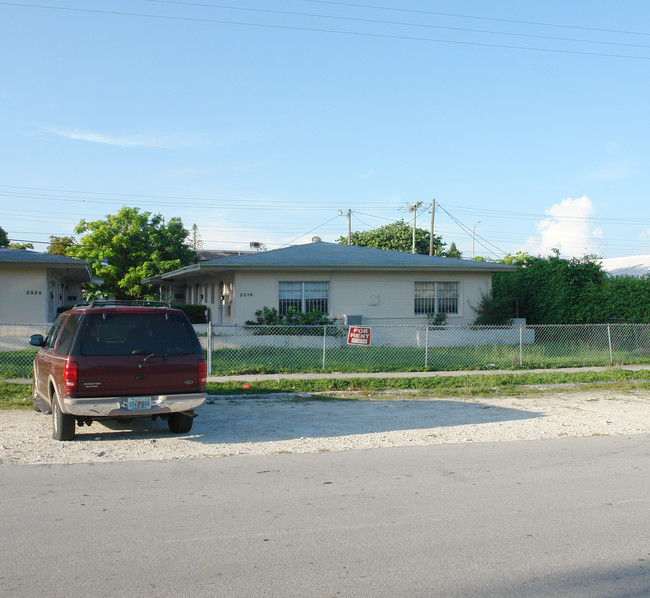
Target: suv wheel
62, 424
180, 423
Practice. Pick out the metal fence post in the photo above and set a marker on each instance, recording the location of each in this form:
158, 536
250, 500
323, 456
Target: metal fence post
426, 348
609, 340
324, 343
209, 349
521, 346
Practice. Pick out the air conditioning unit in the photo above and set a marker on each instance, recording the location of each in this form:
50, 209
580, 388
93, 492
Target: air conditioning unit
353, 320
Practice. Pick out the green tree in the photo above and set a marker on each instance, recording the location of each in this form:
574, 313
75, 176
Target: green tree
552, 290
60, 245
452, 252
196, 242
5, 242
136, 246
520, 256
397, 236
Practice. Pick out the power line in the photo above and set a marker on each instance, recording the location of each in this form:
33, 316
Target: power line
328, 31
168, 200
399, 23
481, 18
310, 231
471, 233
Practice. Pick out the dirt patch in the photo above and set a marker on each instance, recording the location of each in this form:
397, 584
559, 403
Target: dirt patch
299, 423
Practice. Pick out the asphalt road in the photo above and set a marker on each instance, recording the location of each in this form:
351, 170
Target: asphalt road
567, 517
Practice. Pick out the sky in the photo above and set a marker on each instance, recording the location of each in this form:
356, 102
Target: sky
259, 121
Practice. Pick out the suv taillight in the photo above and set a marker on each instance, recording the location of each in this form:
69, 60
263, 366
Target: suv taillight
70, 377
203, 374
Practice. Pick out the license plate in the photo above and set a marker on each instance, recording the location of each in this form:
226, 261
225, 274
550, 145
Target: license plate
138, 403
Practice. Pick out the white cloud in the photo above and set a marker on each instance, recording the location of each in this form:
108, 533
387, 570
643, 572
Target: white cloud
569, 229
121, 141
155, 140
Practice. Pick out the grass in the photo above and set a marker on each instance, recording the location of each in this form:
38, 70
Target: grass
18, 396
15, 396
472, 385
265, 360
271, 360
17, 364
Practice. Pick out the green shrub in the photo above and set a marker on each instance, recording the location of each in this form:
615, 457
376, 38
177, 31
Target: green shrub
269, 321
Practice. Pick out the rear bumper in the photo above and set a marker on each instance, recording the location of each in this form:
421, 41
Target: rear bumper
118, 406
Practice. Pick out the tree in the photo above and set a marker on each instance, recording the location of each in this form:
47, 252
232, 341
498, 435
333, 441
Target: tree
60, 245
196, 242
397, 236
552, 290
136, 246
4, 241
452, 252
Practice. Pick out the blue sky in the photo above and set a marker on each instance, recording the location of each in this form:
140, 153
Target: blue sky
258, 120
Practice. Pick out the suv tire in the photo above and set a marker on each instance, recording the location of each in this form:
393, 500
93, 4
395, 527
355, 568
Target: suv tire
63, 425
180, 423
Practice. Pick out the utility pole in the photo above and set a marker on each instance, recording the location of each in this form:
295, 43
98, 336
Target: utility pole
414, 208
433, 214
349, 214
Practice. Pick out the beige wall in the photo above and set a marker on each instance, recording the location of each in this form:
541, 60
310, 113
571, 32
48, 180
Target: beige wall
23, 295
32, 295
381, 297
388, 298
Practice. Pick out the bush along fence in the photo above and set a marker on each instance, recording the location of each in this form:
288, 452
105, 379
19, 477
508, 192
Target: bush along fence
233, 350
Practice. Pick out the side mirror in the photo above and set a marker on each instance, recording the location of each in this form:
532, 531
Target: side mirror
37, 340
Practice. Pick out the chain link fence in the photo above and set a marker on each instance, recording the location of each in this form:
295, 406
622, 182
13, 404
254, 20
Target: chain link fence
236, 350
16, 354
233, 350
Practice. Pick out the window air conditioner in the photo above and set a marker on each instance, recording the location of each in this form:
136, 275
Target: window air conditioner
353, 320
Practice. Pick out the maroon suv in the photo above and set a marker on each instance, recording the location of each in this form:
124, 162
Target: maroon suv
119, 360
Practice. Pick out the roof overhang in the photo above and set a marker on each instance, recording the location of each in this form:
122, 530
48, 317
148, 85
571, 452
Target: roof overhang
213, 268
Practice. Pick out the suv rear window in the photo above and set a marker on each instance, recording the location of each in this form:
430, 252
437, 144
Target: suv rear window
124, 333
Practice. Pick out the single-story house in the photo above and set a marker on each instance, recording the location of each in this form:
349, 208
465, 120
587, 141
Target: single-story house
355, 285
33, 285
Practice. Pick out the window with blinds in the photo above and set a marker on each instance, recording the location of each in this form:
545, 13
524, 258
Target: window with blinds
303, 296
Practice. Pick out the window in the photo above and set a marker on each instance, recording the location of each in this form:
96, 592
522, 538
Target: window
436, 297
136, 334
303, 296
52, 335
68, 335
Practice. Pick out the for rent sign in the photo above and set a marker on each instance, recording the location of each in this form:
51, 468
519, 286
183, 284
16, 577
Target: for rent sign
359, 335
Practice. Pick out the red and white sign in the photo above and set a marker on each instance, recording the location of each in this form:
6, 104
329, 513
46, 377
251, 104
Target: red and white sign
359, 335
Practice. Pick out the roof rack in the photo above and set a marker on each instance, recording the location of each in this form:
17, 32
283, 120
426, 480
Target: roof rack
126, 302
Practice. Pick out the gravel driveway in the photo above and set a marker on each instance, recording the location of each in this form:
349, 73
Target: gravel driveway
294, 423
